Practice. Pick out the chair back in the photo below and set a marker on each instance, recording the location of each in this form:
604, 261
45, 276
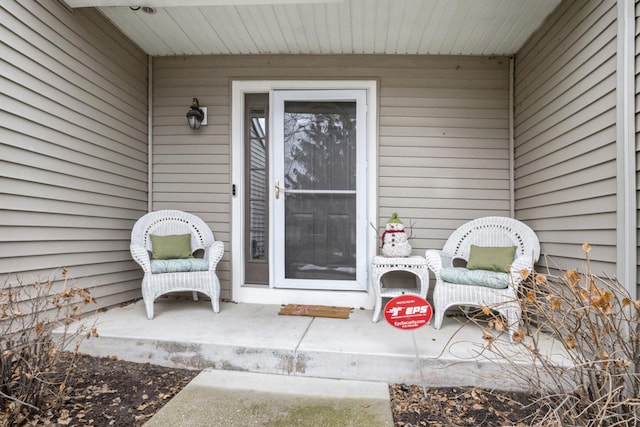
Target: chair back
170, 222
492, 231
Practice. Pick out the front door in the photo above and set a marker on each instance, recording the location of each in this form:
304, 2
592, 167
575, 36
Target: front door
307, 239
318, 198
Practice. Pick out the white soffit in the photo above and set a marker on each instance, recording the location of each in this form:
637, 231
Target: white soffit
183, 3
419, 27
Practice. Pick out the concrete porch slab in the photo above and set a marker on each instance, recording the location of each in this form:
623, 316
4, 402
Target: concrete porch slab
254, 338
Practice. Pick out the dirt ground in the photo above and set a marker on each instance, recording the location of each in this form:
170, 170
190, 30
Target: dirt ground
445, 407
107, 392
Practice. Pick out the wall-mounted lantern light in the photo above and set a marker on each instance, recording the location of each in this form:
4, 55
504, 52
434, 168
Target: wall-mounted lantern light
197, 116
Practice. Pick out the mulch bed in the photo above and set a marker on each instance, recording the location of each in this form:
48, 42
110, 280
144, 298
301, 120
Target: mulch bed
464, 406
108, 392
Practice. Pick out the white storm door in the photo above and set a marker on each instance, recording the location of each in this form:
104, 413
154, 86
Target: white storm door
318, 197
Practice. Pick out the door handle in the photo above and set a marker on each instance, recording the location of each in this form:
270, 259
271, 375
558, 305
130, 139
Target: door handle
278, 188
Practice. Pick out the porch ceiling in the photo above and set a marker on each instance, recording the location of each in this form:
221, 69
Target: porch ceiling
423, 27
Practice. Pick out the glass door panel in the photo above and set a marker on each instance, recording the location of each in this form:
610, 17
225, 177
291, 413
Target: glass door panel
256, 191
318, 152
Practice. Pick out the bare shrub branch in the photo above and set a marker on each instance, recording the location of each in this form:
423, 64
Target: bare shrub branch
580, 333
31, 380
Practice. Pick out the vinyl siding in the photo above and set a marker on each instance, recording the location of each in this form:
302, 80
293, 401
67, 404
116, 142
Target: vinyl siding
73, 148
443, 136
565, 134
637, 127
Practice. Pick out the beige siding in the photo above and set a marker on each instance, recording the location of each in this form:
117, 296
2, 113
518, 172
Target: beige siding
443, 135
565, 135
637, 126
73, 143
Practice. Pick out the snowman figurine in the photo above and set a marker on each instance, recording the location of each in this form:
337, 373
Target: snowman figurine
395, 242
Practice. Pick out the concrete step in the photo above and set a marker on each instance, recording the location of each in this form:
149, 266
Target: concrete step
254, 338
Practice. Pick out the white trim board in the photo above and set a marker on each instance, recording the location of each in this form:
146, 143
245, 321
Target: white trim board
626, 148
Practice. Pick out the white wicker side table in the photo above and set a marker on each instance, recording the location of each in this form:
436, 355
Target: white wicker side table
412, 264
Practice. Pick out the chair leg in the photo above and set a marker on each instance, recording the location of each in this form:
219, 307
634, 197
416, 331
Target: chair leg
377, 310
195, 295
513, 317
215, 303
438, 317
149, 307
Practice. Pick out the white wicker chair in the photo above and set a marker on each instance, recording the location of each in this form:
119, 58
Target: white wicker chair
171, 222
492, 232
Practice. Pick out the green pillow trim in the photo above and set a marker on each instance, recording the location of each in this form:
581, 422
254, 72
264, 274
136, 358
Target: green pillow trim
175, 246
492, 258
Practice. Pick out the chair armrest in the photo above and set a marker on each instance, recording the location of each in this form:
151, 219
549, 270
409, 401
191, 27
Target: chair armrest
140, 255
519, 265
214, 254
434, 261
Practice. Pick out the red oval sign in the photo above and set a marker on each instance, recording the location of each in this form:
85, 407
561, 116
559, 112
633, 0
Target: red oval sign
408, 312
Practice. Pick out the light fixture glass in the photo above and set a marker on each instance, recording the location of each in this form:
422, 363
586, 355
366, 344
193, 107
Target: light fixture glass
195, 115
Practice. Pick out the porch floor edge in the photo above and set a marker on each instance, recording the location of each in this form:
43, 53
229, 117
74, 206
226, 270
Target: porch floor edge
254, 338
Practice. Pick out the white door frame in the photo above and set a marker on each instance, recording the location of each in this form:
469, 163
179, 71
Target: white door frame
265, 294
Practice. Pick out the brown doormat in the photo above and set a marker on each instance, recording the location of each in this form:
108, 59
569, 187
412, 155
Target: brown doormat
315, 311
